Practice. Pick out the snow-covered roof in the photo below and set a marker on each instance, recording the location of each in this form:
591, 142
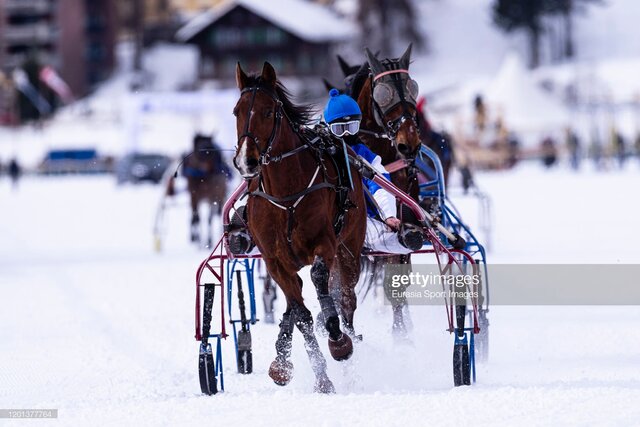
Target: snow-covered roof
304, 19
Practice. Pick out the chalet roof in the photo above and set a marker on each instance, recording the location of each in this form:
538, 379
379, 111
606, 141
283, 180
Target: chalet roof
306, 20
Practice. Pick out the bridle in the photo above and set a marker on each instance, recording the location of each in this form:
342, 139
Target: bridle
265, 157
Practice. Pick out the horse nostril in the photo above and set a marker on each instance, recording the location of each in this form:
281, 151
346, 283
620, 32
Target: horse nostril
252, 163
403, 148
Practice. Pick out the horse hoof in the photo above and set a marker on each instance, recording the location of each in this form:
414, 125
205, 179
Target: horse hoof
342, 348
324, 385
281, 371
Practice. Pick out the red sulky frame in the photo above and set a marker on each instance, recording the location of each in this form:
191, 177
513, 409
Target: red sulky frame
214, 263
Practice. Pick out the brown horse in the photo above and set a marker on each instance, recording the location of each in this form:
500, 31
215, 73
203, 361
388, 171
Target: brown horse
440, 142
206, 174
387, 98
291, 214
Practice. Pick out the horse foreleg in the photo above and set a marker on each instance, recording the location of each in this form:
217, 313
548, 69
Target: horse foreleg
268, 298
304, 322
281, 369
210, 225
340, 345
195, 225
399, 307
349, 273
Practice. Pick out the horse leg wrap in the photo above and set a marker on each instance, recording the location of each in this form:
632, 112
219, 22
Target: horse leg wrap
330, 316
195, 222
283, 344
281, 369
320, 276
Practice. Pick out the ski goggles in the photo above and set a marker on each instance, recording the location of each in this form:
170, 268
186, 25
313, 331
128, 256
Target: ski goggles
341, 128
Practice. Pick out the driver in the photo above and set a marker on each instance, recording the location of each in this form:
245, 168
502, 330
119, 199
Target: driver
342, 115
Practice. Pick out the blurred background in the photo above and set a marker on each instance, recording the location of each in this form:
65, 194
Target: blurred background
509, 80
100, 100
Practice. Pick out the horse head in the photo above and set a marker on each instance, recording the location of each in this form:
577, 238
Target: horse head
388, 102
258, 114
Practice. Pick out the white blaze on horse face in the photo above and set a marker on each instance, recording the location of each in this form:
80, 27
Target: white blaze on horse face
242, 158
241, 161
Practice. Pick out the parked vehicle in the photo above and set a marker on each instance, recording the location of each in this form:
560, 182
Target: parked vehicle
85, 161
138, 167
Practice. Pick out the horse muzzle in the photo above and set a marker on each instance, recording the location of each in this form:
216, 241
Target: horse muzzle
248, 166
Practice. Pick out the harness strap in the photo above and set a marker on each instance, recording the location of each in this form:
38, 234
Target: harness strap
386, 73
291, 210
375, 134
276, 159
396, 166
276, 201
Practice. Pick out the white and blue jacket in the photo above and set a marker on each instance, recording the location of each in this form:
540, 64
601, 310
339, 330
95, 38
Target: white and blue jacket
386, 202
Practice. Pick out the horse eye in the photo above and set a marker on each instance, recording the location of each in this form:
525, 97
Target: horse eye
268, 113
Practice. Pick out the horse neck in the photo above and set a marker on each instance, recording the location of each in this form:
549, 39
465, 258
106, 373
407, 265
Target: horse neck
292, 174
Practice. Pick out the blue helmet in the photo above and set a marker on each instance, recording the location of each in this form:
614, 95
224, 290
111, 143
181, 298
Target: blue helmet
341, 106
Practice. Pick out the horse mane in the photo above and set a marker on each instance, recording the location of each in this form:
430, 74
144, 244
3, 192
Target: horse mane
299, 114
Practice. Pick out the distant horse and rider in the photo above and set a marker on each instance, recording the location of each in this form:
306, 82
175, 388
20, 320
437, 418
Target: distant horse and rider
207, 175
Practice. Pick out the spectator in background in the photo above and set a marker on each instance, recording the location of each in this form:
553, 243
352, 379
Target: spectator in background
514, 150
595, 151
14, 171
619, 148
480, 119
573, 147
637, 144
549, 152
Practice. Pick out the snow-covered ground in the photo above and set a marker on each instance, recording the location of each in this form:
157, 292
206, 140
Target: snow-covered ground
96, 324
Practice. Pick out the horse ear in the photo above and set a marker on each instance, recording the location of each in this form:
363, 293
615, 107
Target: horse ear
346, 68
363, 68
406, 57
376, 66
327, 84
241, 77
268, 74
